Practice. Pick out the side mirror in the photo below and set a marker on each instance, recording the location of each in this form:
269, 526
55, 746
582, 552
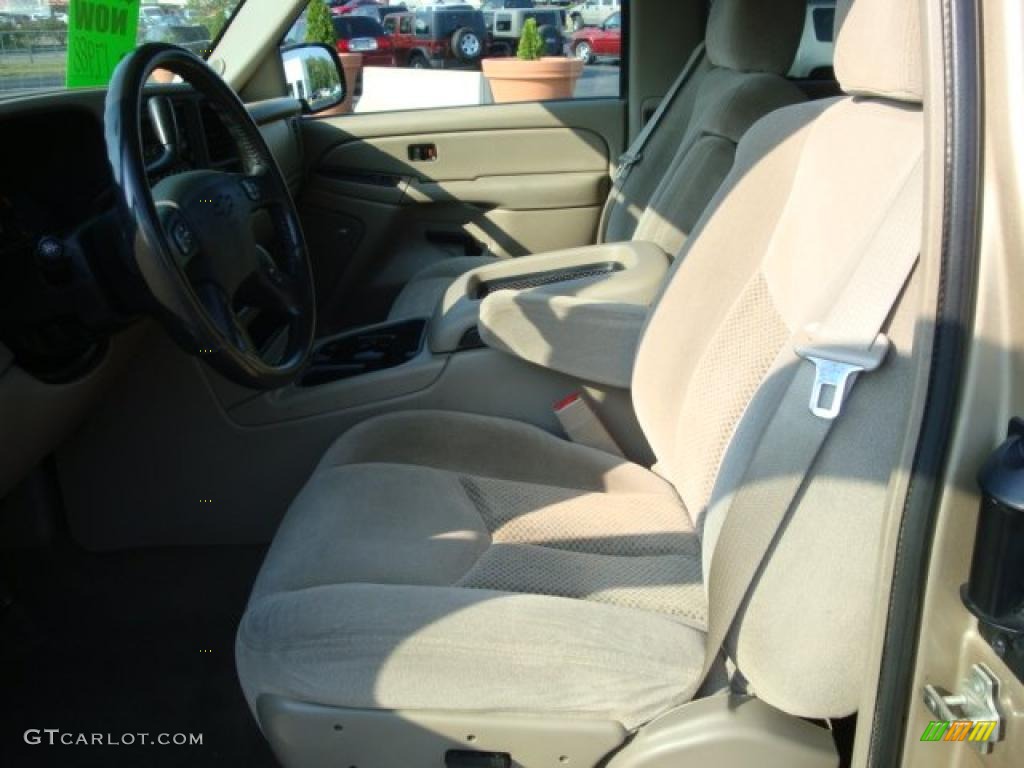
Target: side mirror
314, 75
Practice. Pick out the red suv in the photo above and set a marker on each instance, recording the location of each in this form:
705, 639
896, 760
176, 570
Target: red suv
361, 34
345, 7
592, 43
439, 37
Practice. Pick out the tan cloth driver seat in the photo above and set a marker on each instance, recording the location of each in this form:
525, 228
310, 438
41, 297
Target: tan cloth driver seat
476, 567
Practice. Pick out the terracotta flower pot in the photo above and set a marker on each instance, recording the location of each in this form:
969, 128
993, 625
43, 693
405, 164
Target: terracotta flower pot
512, 79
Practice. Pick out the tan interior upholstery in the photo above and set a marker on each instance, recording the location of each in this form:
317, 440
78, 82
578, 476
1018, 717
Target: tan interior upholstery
751, 36
886, 59
517, 547
444, 561
809, 186
750, 46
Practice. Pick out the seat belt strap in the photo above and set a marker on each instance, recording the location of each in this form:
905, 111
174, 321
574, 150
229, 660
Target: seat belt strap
846, 344
633, 156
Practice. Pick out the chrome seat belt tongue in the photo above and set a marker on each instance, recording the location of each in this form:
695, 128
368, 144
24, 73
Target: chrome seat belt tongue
626, 162
836, 367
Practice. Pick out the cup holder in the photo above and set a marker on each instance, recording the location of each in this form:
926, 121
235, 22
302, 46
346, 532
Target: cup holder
364, 351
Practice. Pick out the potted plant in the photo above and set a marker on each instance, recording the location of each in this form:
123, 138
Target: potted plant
531, 76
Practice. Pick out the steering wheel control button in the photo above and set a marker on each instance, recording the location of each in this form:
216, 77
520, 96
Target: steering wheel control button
183, 238
270, 268
253, 190
53, 260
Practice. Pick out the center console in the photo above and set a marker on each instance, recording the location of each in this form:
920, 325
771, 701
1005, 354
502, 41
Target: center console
628, 273
577, 313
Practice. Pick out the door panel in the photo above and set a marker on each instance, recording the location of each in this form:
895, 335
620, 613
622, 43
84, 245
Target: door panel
471, 154
389, 194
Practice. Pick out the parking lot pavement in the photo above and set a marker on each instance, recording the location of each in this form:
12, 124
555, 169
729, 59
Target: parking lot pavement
598, 81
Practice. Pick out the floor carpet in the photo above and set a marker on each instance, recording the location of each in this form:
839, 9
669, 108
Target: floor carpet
126, 643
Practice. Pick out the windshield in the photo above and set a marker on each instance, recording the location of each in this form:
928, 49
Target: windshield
77, 43
449, 21
347, 27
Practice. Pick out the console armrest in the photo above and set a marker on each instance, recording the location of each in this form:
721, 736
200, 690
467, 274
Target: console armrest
589, 339
578, 311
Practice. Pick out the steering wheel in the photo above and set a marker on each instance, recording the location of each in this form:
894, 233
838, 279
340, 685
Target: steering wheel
243, 303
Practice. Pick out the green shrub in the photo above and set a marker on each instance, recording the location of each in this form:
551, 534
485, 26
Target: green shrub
319, 26
531, 46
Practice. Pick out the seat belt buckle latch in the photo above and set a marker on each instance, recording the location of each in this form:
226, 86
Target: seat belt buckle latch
835, 369
582, 425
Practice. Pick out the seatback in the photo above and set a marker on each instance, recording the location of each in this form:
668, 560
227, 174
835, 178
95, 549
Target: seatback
811, 184
750, 45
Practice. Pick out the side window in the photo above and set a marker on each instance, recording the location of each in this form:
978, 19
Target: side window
456, 55
824, 23
817, 45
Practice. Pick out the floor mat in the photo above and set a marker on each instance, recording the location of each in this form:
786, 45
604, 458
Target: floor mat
124, 651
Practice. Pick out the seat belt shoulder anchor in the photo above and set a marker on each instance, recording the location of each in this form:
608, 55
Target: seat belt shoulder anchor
835, 368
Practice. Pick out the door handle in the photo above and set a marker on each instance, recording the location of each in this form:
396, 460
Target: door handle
423, 153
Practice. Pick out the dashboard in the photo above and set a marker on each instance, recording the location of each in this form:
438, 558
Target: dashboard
57, 200
56, 174
65, 338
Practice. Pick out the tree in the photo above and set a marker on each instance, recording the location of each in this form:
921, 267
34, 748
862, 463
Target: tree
319, 25
213, 7
213, 14
531, 47
321, 76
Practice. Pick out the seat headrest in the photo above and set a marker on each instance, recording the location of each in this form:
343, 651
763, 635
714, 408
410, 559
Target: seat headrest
755, 35
878, 49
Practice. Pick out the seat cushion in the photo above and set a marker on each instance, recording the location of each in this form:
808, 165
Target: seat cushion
456, 562
422, 294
